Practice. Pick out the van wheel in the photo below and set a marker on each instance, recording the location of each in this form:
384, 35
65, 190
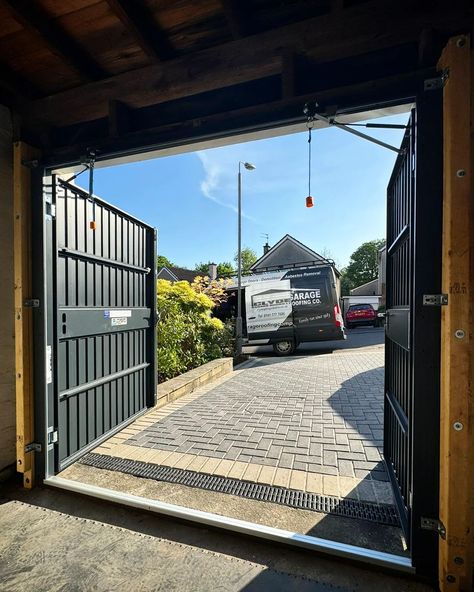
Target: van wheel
284, 348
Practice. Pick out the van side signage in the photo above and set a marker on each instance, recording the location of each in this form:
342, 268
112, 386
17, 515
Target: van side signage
306, 297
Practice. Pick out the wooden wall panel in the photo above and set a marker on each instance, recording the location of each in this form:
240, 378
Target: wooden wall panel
457, 354
22, 260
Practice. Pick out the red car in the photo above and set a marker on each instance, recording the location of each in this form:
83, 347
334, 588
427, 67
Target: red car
361, 314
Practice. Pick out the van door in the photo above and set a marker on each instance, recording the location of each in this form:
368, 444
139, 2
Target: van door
269, 311
314, 298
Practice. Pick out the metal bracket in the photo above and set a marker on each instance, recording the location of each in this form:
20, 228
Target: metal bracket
52, 437
435, 299
31, 164
434, 525
33, 447
50, 210
31, 303
437, 82
312, 115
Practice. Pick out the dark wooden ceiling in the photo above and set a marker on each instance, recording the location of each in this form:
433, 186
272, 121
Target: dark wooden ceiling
86, 71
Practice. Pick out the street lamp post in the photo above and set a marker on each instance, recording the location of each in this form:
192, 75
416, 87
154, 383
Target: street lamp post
238, 322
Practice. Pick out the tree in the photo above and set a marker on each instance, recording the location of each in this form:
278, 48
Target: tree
224, 269
248, 259
363, 266
162, 261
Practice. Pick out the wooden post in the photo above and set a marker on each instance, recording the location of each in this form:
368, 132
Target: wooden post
23, 314
457, 353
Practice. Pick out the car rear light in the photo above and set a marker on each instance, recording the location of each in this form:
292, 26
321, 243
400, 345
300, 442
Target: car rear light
338, 321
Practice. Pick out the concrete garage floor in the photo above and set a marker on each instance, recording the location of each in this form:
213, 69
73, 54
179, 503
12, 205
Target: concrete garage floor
310, 423
54, 541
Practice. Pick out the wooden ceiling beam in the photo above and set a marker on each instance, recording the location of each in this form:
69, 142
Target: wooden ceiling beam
15, 86
238, 14
34, 18
322, 39
139, 20
284, 111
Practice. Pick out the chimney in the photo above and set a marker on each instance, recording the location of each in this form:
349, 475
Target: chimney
212, 271
266, 248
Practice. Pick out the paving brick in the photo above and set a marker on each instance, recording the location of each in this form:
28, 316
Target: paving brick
317, 413
345, 468
330, 458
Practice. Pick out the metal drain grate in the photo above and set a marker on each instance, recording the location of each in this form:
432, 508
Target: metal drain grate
380, 513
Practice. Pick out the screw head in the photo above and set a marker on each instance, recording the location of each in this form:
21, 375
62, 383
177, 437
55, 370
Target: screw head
461, 173
459, 334
461, 42
458, 426
458, 560
450, 579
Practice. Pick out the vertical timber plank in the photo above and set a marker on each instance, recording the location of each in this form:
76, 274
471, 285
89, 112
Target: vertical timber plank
23, 316
457, 359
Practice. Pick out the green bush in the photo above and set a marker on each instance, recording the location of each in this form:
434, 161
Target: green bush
188, 336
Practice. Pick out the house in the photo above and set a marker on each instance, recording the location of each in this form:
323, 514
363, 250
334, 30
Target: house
285, 254
177, 274
368, 289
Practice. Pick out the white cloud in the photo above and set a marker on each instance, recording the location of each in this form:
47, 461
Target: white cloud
220, 181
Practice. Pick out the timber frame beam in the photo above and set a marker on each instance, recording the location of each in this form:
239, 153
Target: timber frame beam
22, 259
457, 354
319, 40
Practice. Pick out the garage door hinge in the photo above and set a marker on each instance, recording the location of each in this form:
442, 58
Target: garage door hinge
33, 447
31, 303
435, 525
435, 299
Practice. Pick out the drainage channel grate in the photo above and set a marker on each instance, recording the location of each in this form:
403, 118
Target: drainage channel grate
380, 513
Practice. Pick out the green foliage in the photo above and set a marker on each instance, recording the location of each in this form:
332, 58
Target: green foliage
363, 266
248, 259
162, 261
224, 269
188, 336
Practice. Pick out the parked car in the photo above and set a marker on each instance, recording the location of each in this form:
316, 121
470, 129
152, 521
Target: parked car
361, 314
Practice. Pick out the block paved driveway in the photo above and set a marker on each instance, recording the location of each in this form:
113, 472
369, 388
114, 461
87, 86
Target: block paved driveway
319, 414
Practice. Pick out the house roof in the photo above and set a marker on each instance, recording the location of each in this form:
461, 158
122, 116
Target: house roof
367, 289
177, 274
300, 255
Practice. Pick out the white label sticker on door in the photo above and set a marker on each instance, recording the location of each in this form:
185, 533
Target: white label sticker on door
117, 321
49, 365
119, 313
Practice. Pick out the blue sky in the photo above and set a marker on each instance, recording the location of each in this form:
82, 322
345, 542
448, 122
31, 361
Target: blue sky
191, 198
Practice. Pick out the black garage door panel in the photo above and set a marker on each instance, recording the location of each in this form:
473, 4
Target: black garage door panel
105, 303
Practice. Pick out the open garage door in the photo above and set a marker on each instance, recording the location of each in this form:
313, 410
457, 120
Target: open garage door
411, 430
101, 360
